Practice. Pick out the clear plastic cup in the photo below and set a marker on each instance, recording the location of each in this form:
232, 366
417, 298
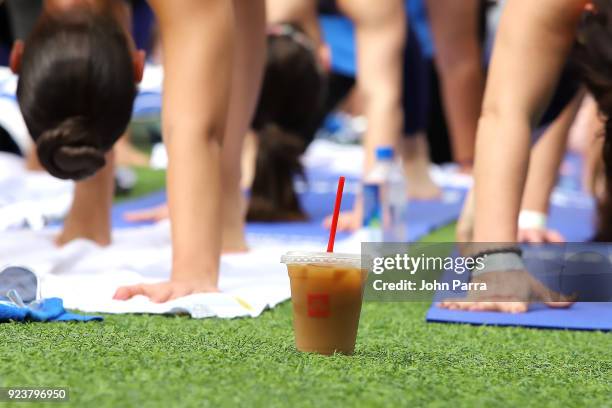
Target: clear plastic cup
327, 292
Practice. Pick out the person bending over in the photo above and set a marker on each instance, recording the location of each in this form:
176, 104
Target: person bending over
78, 72
533, 45
285, 123
392, 82
213, 60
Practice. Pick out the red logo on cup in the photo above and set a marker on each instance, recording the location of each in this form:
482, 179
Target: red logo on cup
318, 305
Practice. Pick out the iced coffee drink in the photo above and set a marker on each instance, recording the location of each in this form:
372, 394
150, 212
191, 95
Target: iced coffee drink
327, 292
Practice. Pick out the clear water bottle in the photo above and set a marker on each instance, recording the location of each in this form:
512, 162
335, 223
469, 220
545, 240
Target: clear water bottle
384, 199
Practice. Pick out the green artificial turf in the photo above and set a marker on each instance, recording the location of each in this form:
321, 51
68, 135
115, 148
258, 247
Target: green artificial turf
400, 360
149, 181
149, 361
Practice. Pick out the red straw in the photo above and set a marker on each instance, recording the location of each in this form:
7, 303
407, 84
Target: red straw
332, 232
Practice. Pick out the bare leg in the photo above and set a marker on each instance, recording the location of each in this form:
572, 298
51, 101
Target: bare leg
127, 155
90, 215
585, 137
521, 81
459, 62
249, 157
465, 224
301, 12
248, 67
595, 180
381, 35
546, 158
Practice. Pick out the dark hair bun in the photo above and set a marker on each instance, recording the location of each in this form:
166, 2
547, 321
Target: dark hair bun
63, 153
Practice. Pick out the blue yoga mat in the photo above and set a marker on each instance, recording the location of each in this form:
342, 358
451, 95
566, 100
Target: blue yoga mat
142, 203
576, 221
424, 217
572, 214
147, 103
581, 316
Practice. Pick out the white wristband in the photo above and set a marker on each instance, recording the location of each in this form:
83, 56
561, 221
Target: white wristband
532, 220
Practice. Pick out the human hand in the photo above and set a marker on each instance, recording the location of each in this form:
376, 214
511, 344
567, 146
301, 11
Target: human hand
532, 228
539, 236
507, 292
165, 291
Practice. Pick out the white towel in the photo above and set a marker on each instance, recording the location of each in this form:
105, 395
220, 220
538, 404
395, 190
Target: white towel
30, 199
86, 276
11, 119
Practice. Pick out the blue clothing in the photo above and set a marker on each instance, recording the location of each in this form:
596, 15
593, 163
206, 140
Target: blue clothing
49, 310
416, 86
419, 20
339, 34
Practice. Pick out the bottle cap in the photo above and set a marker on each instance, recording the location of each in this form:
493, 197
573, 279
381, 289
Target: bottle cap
384, 153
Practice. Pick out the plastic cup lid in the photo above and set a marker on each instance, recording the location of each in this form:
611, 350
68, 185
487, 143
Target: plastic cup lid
19, 279
332, 258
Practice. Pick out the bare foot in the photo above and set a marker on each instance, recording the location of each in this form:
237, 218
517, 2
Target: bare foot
507, 292
94, 231
233, 242
420, 186
154, 214
415, 157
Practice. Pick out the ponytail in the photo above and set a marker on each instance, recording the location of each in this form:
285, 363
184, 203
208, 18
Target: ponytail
273, 196
285, 122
